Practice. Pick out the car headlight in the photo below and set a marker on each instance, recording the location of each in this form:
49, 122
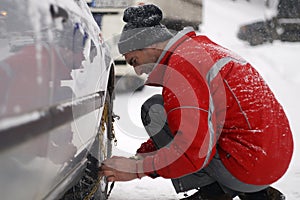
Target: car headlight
3, 13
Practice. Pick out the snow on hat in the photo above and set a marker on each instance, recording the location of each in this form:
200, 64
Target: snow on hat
142, 28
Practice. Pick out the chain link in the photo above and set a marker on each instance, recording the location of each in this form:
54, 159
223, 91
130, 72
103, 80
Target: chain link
103, 147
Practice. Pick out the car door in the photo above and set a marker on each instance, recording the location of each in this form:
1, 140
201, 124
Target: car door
25, 76
53, 81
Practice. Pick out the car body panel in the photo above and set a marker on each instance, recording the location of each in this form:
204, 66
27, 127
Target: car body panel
54, 71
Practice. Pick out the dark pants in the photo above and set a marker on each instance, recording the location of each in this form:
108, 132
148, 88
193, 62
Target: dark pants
154, 119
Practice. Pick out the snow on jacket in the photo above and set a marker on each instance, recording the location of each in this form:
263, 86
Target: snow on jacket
216, 101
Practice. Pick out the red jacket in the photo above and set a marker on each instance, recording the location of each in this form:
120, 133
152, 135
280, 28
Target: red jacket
215, 100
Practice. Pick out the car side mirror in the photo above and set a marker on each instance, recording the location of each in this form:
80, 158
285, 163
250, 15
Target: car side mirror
57, 12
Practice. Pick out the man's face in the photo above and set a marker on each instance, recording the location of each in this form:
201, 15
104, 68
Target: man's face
143, 61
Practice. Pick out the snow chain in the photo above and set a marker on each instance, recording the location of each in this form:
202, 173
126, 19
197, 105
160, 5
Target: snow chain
104, 120
95, 188
93, 191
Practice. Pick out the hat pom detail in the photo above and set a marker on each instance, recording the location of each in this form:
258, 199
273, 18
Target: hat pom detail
143, 16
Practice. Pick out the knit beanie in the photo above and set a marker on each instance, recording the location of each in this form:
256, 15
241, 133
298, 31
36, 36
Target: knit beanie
142, 28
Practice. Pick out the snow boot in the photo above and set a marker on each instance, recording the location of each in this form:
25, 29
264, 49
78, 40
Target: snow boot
269, 193
209, 192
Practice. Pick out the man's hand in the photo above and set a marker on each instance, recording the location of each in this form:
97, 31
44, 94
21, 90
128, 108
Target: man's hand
121, 169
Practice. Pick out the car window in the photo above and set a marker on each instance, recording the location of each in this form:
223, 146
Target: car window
88, 56
24, 47
15, 31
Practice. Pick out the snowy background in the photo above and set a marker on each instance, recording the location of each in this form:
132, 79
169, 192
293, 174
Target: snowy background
278, 63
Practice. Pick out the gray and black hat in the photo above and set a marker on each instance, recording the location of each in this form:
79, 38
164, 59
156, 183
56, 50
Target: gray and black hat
142, 28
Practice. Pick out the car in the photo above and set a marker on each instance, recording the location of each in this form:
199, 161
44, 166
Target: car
2, 24
284, 25
175, 21
110, 13
258, 32
56, 104
17, 41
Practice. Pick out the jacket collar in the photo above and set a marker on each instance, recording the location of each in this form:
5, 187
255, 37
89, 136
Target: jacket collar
155, 78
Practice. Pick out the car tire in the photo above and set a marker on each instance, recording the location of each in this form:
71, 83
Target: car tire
102, 191
90, 187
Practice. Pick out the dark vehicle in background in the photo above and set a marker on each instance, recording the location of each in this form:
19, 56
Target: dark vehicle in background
284, 26
57, 86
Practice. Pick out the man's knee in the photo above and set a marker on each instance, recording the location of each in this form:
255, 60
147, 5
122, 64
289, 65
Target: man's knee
154, 100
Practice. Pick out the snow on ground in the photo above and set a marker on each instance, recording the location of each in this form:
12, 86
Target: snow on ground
278, 63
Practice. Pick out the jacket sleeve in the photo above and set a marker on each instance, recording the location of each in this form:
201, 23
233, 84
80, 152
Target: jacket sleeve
146, 148
186, 100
